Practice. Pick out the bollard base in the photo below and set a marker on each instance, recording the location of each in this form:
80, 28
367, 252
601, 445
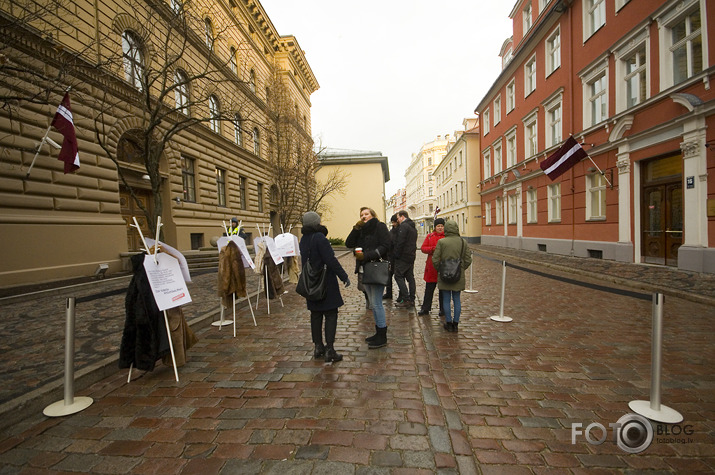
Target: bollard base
664, 414
59, 408
470, 291
220, 323
500, 318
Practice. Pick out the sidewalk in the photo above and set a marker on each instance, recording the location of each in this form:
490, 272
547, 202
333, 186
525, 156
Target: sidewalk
494, 398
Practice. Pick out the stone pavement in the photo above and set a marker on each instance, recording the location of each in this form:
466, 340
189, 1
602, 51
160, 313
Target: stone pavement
493, 398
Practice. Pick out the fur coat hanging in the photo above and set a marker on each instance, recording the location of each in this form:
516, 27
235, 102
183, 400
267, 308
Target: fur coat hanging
231, 274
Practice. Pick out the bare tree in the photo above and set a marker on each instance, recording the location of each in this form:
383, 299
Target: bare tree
170, 97
295, 162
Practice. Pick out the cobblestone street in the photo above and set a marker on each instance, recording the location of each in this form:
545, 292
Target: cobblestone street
493, 398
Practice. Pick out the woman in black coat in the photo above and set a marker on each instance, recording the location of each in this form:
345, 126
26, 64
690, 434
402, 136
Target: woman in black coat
372, 236
314, 245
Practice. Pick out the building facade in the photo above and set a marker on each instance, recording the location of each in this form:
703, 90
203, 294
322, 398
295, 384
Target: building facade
421, 197
631, 82
457, 179
206, 85
365, 174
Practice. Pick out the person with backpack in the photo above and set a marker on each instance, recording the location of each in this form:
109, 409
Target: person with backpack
430, 276
451, 258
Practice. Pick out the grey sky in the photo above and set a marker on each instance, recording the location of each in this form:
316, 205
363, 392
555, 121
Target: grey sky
394, 74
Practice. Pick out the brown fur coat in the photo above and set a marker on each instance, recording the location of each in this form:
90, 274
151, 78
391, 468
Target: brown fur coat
231, 274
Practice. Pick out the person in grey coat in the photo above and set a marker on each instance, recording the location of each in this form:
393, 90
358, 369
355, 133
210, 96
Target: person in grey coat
315, 245
451, 246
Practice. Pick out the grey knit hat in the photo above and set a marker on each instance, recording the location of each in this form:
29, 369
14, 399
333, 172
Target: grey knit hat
311, 218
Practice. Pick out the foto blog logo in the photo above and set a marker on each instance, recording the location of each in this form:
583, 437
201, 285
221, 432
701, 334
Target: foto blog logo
632, 433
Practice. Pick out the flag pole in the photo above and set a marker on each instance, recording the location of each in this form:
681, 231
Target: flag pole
600, 171
39, 147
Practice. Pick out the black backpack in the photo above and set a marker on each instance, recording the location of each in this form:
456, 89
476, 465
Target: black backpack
450, 270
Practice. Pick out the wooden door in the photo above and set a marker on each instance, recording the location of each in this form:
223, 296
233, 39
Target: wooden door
130, 209
662, 223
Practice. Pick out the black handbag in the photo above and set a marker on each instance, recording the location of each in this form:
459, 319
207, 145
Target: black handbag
376, 273
311, 282
450, 270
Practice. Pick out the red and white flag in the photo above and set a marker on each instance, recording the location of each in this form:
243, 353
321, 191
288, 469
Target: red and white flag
563, 159
65, 125
436, 210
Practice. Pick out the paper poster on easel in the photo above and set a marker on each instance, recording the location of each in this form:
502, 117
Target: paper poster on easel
166, 281
241, 243
287, 245
271, 246
175, 253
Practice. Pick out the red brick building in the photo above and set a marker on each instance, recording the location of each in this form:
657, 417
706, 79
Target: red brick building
631, 81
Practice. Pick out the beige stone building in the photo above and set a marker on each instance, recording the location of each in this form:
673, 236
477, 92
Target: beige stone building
457, 180
366, 174
232, 94
420, 184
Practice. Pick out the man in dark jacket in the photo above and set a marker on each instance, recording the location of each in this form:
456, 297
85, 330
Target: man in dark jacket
393, 237
405, 250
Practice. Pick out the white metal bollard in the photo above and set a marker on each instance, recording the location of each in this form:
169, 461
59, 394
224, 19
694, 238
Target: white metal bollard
501, 317
653, 409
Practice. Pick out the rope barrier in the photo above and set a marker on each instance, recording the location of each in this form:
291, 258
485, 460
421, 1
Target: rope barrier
603, 288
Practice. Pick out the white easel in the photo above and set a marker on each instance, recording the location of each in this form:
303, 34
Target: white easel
221, 322
166, 318
265, 274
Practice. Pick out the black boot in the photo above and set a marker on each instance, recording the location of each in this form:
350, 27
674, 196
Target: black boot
371, 338
331, 356
455, 327
319, 351
447, 326
380, 340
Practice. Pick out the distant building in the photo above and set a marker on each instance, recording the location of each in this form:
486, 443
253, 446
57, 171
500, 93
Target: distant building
420, 184
457, 180
631, 81
367, 172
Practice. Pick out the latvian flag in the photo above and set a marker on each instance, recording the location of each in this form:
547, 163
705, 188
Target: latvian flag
564, 158
436, 210
65, 125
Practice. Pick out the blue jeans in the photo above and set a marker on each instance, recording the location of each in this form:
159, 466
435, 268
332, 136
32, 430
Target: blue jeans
449, 296
374, 293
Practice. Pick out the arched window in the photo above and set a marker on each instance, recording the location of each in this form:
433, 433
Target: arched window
209, 30
252, 81
214, 113
232, 61
237, 129
181, 92
256, 142
133, 57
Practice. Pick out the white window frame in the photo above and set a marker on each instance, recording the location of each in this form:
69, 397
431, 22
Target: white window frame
512, 212
233, 60
623, 52
531, 206
214, 114
598, 70
499, 207
595, 193
554, 126
552, 47
669, 19
620, 4
487, 161
510, 137
542, 5
594, 17
256, 142
527, 18
554, 202
133, 58
510, 96
237, 133
497, 155
485, 121
531, 134
209, 33
530, 76
181, 92
487, 214
496, 106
